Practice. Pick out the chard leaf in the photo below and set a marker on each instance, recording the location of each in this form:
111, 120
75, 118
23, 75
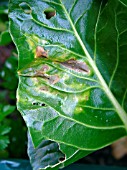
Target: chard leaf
72, 72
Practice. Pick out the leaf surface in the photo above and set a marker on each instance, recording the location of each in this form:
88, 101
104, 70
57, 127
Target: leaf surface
46, 154
72, 72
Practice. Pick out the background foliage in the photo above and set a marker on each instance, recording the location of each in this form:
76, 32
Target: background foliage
12, 143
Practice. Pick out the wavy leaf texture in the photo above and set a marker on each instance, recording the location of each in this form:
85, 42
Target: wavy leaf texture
72, 72
46, 154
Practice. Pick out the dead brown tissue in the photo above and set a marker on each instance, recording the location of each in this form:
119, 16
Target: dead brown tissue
76, 65
40, 52
52, 79
43, 88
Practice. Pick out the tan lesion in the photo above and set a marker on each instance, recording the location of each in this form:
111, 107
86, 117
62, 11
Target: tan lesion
40, 52
76, 65
52, 79
44, 88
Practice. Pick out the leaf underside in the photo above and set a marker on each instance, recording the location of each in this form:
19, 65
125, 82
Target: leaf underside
72, 74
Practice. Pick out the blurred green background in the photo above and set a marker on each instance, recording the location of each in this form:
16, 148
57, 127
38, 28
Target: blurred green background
13, 138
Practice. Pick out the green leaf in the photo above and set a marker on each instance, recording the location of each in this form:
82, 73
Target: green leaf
4, 128
4, 140
47, 155
8, 74
4, 7
5, 38
72, 72
5, 110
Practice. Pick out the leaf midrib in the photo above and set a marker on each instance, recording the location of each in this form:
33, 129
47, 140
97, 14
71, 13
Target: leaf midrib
122, 114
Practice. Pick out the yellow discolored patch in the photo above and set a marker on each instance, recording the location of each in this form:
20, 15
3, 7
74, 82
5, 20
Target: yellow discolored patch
78, 110
35, 44
84, 98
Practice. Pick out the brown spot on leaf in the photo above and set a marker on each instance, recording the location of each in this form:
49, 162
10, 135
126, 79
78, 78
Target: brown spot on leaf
41, 74
54, 79
44, 88
76, 65
45, 68
40, 52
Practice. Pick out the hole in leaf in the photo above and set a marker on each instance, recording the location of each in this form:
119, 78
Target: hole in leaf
35, 103
43, 104
61, 159
38, 104
49, 13
25, 7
